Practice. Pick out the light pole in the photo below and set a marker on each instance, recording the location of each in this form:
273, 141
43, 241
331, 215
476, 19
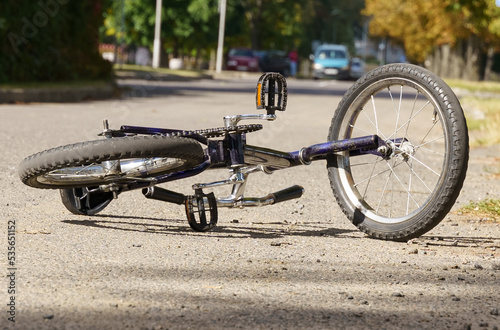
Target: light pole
157, 41
220, 44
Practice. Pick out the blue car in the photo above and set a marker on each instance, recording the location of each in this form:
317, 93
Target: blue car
331, 61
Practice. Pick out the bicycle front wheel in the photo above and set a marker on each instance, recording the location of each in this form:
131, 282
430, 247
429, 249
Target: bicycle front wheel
410, 186
114, 160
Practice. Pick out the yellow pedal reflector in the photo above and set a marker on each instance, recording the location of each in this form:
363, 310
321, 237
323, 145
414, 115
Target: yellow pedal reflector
259, 94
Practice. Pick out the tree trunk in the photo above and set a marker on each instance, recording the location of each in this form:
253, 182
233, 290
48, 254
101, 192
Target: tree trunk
489, 63
472, 59
445, 60
254, 30
457, 60
253, 13
432, 62
462, 61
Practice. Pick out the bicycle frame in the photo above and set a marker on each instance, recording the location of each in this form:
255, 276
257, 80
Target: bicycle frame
233, 152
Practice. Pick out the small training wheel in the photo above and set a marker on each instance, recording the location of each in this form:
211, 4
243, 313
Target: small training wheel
197, 209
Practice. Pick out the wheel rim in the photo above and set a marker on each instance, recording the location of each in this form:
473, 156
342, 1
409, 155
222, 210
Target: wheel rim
409, 119
111, 171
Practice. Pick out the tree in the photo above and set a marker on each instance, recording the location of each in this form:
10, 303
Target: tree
186, 25
51, 40
449, 36
189, 27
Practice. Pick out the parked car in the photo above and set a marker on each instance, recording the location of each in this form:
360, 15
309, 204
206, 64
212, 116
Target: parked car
357, 68
242, 59
274, 61
331, 61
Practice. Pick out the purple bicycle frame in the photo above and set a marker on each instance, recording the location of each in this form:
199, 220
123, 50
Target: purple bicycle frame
217, 155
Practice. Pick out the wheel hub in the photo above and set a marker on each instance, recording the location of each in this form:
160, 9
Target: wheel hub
405, 150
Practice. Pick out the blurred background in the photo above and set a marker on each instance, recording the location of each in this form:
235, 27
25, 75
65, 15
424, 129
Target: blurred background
57, 40
54, 43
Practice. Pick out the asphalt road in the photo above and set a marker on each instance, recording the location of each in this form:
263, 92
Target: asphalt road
293, 265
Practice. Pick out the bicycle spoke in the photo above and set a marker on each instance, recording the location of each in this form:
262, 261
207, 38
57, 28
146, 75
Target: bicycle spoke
411, 113
421, 163
409, 188
374, 176
85, 167
430, 129
432, 151
360, 129
412, 117
371, 173
397, 108
373, 124
402, 185
419, 178
375, 113
423, 144
392, 189
383, 191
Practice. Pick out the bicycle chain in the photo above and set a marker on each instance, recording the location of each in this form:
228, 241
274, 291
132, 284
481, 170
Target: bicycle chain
218, 131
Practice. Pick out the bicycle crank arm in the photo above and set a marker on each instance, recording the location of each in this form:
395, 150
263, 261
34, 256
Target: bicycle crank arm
273, 198
164, 195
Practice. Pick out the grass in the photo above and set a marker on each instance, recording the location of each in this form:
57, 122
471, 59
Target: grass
475, 86
485, 208
483, 119
482, 111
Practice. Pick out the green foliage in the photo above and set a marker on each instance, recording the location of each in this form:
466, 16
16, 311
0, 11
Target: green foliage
185, 24
50, 40
191, 26
488, 207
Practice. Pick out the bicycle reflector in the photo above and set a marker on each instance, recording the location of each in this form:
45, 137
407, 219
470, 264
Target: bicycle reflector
271, 93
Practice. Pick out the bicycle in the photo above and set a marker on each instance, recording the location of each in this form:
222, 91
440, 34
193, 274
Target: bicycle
396, 157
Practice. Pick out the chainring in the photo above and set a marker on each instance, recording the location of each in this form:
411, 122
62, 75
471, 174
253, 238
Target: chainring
218, 131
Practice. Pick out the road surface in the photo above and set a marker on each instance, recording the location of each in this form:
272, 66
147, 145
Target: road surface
294, 265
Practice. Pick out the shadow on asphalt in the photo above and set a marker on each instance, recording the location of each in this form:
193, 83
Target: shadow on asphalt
460, 241
270, 231
177, 227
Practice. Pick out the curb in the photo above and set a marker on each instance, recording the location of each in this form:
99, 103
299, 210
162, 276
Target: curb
146, 75
57, 95
88, 93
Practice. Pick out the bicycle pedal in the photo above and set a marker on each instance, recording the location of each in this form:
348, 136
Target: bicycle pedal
271, 92
201, 211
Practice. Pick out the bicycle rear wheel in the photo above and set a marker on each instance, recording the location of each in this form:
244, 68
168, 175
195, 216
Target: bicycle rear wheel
409, 190
114, 160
